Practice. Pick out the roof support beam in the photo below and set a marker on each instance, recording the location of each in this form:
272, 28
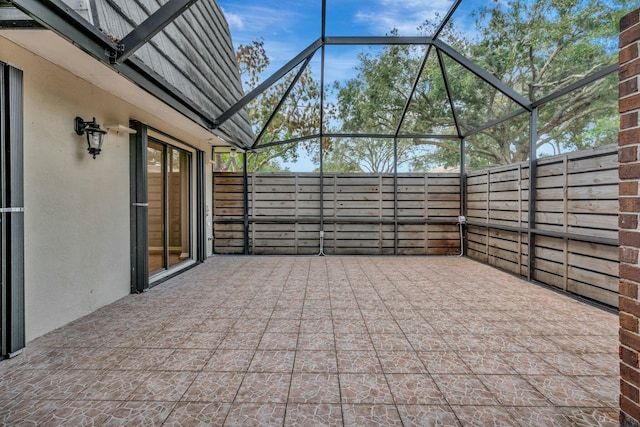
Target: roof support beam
288, 141
268, 82
149, 28
484, 75
577, 85
410, 97
385, 40
495, 122
323, 54
447, 18
282, 100
356, 135
447, 86
533, 185
56, 16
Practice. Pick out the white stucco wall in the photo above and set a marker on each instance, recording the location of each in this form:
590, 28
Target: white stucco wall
77, 253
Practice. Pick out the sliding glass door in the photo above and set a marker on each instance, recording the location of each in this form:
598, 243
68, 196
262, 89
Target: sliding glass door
169, 190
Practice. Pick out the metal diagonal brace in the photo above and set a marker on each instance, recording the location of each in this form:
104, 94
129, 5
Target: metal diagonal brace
447, 86
268, 82
446, 19
413, 91
282, 100
484, 75
149, 28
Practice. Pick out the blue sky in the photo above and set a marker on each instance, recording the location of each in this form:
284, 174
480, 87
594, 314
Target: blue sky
287, 27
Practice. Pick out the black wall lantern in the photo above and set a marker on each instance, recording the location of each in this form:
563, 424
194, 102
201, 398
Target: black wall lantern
95, 135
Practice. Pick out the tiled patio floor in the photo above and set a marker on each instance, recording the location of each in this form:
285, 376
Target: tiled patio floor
325, 341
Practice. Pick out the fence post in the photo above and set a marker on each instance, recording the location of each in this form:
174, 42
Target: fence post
245, 188
533, 168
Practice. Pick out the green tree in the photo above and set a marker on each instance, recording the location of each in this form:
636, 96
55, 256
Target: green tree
535, 47
538, 47
298, 116
373, 103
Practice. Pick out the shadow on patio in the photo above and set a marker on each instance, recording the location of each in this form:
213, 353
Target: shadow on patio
325, 341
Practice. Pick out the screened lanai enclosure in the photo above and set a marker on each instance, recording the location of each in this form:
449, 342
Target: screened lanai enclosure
484, 130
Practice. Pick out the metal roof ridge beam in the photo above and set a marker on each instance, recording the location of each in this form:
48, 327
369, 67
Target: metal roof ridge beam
484, 75
376, 40
151, 26
390, 136
313, 47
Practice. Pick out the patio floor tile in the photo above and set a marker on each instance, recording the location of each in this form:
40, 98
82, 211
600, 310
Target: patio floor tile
464, 390
314, 388
482, 416
314, 414
321, 361
252, 414
264, 388
197, 413
289, 341
371, 415
136, 413
414, 389
427, 415
214, 387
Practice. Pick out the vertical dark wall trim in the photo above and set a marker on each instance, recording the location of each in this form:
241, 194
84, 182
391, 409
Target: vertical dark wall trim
201, 205
139, 209
12, 210
3, 240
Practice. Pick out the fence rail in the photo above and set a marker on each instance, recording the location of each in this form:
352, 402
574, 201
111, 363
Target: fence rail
576, 221
413, 214
575, 229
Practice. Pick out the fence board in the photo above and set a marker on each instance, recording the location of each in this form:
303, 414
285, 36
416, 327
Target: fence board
347, 197
576, 193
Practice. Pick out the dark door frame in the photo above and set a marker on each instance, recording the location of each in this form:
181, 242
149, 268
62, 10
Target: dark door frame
140, 204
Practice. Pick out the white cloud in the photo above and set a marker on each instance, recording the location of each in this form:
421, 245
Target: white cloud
289, 26
260, 19
406, 16
235, 21
341, 66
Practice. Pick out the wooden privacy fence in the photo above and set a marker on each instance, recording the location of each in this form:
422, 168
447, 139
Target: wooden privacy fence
576, 221
369, 214
575, 229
